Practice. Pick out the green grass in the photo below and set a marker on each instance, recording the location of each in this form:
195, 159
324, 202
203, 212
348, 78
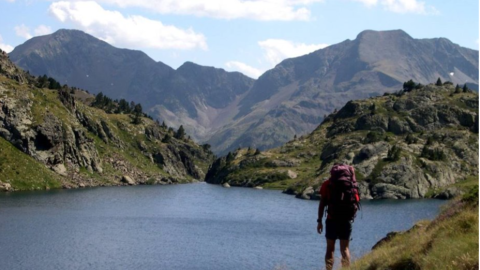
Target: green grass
449, 242
45, 100
464, 185
280, 185
23, 172
469, 182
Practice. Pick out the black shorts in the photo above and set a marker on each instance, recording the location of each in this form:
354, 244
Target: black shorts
335, 229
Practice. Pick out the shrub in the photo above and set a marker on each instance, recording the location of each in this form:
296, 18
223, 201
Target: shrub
394, 153
373, 136
411, 139
471, 196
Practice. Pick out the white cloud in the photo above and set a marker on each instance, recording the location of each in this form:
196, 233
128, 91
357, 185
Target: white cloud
263, 10
5, 47
42, 30
23, 31
277, 50
401, 6
131, 31
244, 68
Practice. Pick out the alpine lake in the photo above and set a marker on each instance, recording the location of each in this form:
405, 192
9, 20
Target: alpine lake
186, 227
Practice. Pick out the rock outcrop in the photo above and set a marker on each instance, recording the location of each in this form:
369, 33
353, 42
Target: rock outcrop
409, 144
86, 146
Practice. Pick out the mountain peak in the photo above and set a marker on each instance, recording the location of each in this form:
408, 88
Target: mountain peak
390, 34
189, 65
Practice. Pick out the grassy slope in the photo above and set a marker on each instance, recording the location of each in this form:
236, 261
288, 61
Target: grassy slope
22, 171
449, 242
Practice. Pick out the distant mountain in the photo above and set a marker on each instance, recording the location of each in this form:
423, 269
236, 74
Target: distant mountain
193, 95
228, 109
293, 97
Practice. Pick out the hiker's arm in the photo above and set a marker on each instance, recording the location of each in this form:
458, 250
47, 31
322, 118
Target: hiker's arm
321, 211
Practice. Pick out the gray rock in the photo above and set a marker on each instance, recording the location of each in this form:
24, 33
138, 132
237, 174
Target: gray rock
128, 180
292, 174
372, 122
449, 193
226, 185
398, 126
307, 193
60, 169
5, 186
283, 163
364, 191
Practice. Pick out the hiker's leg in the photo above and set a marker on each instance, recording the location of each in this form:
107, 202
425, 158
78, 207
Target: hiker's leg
329, 255
344, 249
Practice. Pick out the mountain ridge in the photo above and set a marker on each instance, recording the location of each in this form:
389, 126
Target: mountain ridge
229, 110
327, 78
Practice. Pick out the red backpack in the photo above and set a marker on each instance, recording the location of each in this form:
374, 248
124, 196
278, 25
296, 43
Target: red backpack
344, 199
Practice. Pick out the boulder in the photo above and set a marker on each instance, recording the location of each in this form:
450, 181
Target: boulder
307, 193
128, 180
226, 185
60, 169
364, 191
371, 122
292, 174
5, 186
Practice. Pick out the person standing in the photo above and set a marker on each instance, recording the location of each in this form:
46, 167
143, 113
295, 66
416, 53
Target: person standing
339, 195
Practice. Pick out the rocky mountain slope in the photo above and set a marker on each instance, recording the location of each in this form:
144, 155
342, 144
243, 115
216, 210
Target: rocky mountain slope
194, 96
229, 110
410, 144
293, 97
44, 125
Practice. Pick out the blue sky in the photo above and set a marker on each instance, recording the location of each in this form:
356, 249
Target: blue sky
237, 35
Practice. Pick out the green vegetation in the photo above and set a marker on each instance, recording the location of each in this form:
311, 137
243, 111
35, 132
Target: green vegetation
448, 242
97, 141
22, 172
377, 172
417, 129
374, 136
48, 82
394, 153
180, 134
410, 85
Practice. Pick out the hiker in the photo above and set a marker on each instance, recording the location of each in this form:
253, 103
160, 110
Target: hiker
339, 194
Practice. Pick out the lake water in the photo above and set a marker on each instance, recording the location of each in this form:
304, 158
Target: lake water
194, 226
